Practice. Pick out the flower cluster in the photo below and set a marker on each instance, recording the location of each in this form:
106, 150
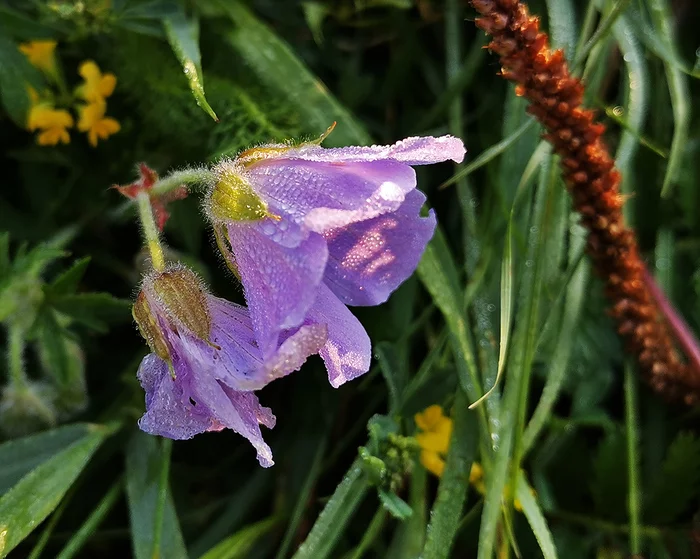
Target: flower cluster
89, 100
307, 230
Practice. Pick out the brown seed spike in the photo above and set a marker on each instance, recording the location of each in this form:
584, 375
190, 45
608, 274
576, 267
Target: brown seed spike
542, 76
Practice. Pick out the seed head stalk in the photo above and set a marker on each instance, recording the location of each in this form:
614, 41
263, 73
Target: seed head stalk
543, 77
150, 231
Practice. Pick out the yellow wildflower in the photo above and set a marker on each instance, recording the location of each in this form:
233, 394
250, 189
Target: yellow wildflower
95, 123
97, 86
435, 438
53, 123
434, 441
41, 55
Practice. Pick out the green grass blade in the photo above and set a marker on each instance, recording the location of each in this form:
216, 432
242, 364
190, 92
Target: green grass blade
280, 69
183, 36
452, 491
535, 518
562, 25
143, 487
333, 519
38, 493
78, 540
680, 96
239, 545
634, 495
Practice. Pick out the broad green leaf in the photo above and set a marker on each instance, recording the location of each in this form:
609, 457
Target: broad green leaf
279, 68
238, 545
679, 481
94, 310
17, 25
38, 493
143, 461
452, 491
183, 35
68, 281
19, 456
15, 75
533, 513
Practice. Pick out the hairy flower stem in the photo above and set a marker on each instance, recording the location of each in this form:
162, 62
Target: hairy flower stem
543, 77
150, 230
15, 356
187, 177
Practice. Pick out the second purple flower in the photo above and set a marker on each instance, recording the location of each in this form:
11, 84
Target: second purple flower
309, 230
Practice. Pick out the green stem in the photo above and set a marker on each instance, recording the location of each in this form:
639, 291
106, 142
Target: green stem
76, 543
373, 531
15, 356
166, 451
150, 231
633, 499
183, 177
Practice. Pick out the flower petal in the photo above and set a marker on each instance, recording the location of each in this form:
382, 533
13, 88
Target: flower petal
348, 351
418, 150
280, 278
322, 195
168, 413
367, 261
239, 361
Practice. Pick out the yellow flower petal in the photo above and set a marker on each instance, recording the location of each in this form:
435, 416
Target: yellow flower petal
97, 126
476, 474
429, 418
41, 54
52, 136
432, 462
97, 86
436, 442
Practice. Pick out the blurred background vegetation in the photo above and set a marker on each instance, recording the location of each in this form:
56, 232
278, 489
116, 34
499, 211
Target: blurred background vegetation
597, 464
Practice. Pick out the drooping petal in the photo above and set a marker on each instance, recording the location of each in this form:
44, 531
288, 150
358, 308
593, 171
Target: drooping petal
168, 413
418, 150
368, 260
240, 364
322, 195
348, 351
239, 411
280, 281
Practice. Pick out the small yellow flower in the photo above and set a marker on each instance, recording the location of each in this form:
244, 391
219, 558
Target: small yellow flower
97, 86
435, 438
53, 123
434, 441
41, 55
95, 123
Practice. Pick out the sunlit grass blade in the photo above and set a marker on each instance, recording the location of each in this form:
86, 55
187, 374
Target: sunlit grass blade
183, 35
38, 493
452, 491
562, 25
533, 513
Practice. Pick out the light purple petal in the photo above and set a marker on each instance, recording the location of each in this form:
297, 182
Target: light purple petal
367, 261
348, 351
168, 413
279, 282
239, 411
239, 361
322, 195
412, 151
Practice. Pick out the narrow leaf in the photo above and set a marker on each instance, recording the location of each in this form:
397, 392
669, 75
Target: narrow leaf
183, 36
68, 281
533, 513
142, 487
239, 545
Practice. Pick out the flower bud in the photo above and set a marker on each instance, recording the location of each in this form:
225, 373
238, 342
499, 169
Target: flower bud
176, 297
233, 198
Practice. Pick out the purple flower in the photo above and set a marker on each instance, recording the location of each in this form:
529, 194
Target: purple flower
309, 230
206, 362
